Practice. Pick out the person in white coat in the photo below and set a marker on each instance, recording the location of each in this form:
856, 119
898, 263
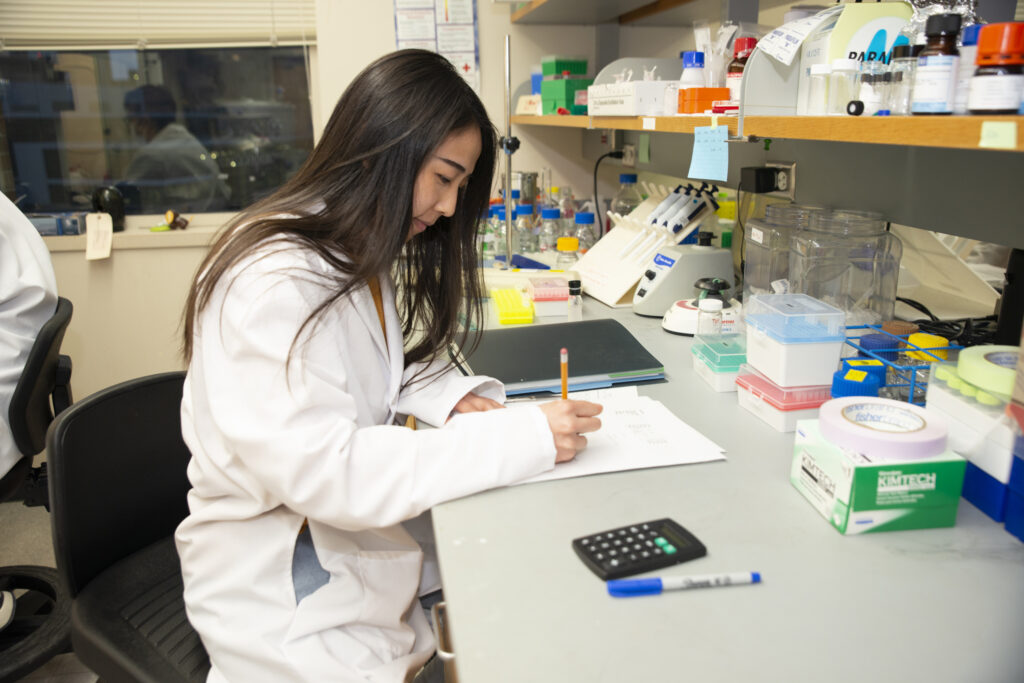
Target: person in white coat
28, 298
298, 555
173, 170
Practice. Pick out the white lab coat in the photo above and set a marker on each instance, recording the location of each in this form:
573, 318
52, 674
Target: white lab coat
270, 450
28, 298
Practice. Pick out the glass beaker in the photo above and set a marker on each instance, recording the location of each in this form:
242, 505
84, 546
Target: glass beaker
849, 260
766, 262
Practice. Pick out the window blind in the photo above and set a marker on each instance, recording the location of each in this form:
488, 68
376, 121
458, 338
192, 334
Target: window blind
134, 24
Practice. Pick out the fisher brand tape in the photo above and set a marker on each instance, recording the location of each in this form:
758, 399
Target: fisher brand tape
993, 368
881, 428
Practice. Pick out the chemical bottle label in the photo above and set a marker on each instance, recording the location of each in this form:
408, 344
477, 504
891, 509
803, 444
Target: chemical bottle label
995, 93
935, 84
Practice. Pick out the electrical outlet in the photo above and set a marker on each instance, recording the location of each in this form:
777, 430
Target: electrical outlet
785, 179
629, 155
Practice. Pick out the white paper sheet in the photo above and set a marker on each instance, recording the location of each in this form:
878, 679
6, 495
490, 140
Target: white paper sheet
636, 432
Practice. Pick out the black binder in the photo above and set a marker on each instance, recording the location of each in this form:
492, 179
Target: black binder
526, 359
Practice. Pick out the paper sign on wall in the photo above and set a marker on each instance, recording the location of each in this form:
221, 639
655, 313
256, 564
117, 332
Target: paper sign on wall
448, 27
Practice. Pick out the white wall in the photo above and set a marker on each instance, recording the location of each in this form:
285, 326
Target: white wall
345, 46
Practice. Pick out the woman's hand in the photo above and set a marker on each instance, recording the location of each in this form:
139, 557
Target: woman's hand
568, 420
474, 403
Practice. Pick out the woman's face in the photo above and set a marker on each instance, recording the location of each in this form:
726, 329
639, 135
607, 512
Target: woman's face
442, 177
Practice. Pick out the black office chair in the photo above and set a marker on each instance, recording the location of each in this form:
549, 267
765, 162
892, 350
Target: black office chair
40, 627
117, 489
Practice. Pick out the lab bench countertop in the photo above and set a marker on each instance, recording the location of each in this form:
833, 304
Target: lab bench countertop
932, 605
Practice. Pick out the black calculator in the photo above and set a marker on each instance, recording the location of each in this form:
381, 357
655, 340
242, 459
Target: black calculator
636, 548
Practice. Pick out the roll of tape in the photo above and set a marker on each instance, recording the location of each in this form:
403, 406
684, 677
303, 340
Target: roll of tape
881, 428
991, 368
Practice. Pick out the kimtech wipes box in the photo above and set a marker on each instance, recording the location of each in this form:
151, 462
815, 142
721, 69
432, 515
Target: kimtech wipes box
859, 495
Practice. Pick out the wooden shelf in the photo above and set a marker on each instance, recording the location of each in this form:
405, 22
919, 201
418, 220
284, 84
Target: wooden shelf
962, 132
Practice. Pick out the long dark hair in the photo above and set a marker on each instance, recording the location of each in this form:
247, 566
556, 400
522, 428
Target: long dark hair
354, 195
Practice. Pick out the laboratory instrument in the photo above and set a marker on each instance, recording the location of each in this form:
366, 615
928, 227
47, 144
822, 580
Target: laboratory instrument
682, 316
671, 274
637, 548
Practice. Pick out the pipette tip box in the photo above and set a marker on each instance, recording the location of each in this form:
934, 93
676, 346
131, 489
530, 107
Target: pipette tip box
550, 296
780, 407
793, 339
717, 359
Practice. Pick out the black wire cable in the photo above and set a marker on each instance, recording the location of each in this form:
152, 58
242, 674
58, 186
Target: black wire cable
614, 154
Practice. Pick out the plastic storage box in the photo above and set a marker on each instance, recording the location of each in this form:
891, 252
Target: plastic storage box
1015, 497
794, 339
717, 359
978, 432
780, 407
550, 296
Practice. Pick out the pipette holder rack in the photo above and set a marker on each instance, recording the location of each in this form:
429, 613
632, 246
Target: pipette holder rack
902, 378
611, 269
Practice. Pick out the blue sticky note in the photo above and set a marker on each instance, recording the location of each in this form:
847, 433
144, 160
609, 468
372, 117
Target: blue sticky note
710, 159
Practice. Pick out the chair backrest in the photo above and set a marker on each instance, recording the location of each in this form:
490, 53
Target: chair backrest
117, 474
46, 376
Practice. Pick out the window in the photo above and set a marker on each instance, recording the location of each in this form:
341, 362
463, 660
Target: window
194, 106
191, 130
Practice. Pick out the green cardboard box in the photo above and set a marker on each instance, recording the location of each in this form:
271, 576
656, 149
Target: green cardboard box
858, 496
555, 65
561, 93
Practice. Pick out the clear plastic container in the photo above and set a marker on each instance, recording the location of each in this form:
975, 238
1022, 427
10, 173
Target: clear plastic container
550, 229
848, 260
817, 93
575, 301
584, 232
873, 89
843, 85
628, 197
766, 263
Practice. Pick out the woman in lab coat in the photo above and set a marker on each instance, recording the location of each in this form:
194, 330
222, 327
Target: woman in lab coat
300, 366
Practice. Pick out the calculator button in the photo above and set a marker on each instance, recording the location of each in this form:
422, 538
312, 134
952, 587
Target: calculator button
670, 549
617, 541
633, 529
657, 551
609, 535
612, 553
660, 541
605, 546
649, 544
633, 557
629, 539
614, 563
644, 553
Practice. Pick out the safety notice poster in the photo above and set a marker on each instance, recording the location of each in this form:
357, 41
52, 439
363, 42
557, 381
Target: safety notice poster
448, 27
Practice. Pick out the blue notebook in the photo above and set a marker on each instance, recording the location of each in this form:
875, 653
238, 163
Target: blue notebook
526, 359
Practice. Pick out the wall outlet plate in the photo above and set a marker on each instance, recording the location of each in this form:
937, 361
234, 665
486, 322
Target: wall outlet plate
785, 180
629, 156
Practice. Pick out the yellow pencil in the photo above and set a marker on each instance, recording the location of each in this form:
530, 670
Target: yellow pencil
565, 373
